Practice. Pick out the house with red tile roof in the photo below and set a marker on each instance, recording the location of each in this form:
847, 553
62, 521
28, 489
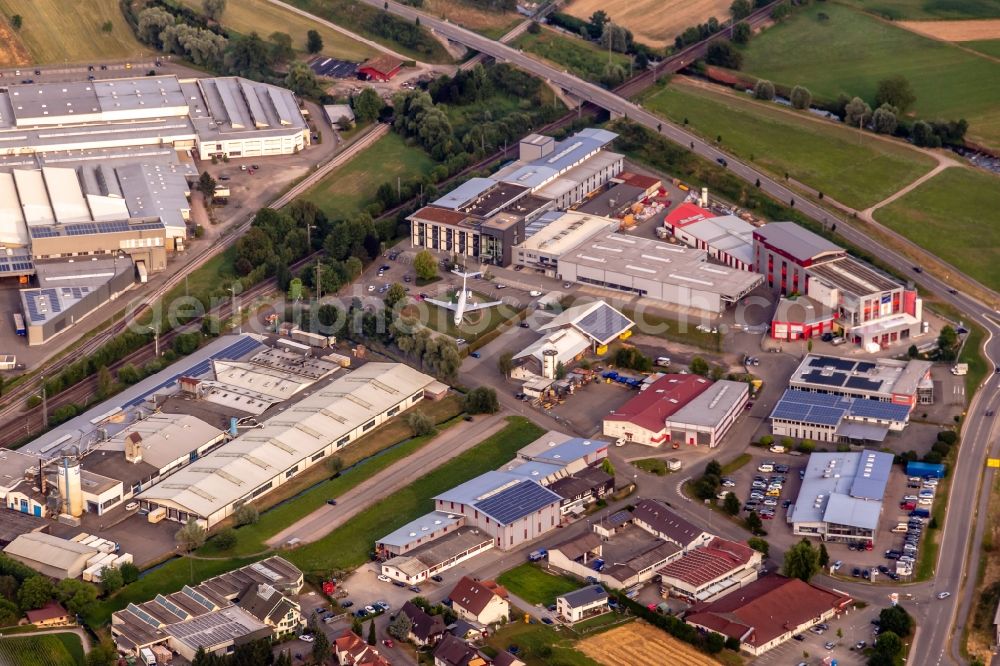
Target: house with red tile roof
767, 612
51, 614
483, 601
711, 571
351, 650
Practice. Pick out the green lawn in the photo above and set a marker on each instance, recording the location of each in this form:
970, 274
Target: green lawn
669, 328
540, 645
824, 155
914, 10
851, 51
62, 649
346, 191
348, 546
535, 585
474, 325
990, 47
949, 215
584, 59
656, 466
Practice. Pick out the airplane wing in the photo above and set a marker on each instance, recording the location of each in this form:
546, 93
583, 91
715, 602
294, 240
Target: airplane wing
447, 305
469, 307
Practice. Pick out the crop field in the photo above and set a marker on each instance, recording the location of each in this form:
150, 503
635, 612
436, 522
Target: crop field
916, 10
464, 12
584, 59
12, 50
818, 153
640, 643
57, 31
955, 31
346, 191
62, 649
850, 52
948, 215
263, 17
653, 22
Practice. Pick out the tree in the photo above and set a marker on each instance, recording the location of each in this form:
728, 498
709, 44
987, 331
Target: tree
105, 382
320, 646
889, 644
801, 97
912, 351
713, 468
425, 266
760, 545
246, 514
206, 185
534, 28
302, 80
314, 42
103, 654
225, 539
191, 536
482, 400
824, 557
213, 8
616, 37
111, 580
723, 54
78, 597
884, 119
740, 9
367, 105
897, 620
400, 627
608, 467
394, 296
595, 27
857, 113
281, 47
763, 89
505, 364
356, 626
130, 572
895, 91
754, 523
16, 22
731, 504
923, 135
947, 341
699, 366
284, 659
742, 33
801, 561
371, 633
419, 423
35, 592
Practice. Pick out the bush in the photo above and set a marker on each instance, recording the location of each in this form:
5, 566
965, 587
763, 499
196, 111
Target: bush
764, 90
482, 400
948, 436
247, 514
767, 440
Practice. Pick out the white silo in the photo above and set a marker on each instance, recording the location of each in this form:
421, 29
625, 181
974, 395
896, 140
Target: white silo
550, 363
70, 487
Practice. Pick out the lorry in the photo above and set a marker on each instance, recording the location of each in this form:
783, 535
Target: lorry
960, 369
538, 555
146, 657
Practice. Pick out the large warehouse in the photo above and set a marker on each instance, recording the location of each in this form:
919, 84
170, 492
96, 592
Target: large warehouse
825, 417
259, 460
883, 379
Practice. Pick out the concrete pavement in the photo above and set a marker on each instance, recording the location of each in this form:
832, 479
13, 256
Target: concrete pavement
456, 439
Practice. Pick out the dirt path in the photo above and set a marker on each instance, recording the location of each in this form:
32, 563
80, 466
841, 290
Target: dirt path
451, 443
866, 214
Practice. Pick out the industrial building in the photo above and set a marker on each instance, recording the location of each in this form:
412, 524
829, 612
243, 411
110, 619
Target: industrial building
563, 232
871, 308
710, 571
768, 612
841, 496
679, 409
250, 603
49, 555
825, 417
883, 379
727, 239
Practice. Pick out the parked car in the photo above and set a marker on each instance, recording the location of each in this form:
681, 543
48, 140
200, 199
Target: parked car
384, 578
308, 638
388, 642
346, 604
943, 595
437, 579
332, 502
131, 506
476, 354
837, 565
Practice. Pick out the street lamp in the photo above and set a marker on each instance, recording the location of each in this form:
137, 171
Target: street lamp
156, 340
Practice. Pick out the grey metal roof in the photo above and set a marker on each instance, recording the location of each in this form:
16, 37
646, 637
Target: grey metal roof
464, 193
872, 475
844, 488
709, 407
796, 241
568, 451
847, 510
585, 596
565, 155
426, 524
862, 431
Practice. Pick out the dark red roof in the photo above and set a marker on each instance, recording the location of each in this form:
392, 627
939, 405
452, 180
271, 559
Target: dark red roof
687, 213
765, 609
651, 408
383, 64
713, 561
49, 611
439, 215
638, 180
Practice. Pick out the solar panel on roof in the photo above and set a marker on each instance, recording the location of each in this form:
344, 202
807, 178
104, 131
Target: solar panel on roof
80, 229
43, 232
516, 502
816, 377
197, 597
863, 384
170, 606
865, 366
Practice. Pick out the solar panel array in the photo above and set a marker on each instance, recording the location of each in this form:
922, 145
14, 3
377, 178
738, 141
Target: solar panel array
863, 384
88, 228
883, 411
198, 597
805, 407
817, 377
844, 364
16, 264
603, 322
43, 232
516, 502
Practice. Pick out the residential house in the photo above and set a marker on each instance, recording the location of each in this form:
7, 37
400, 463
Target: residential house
484, 602
351, 650
453, 651
425, 629
51, 614
583, 603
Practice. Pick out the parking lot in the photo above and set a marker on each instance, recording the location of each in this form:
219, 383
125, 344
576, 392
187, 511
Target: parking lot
854, 625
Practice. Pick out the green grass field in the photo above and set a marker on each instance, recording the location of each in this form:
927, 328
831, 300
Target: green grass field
62, 649
536, 586
916, 10
584, 59
348, 546
823, 155
57, 31
949, 216
540, 645
851, 52
990, 47
346, 191
263, 17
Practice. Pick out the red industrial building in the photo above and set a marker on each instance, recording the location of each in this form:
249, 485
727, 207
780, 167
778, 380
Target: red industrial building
380, 68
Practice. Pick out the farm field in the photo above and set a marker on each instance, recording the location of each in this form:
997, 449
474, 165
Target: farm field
263, 17
955, 31
916, 10
62, 649
347, 190
990, 47
540, 645
12, 50
947, 215
464, 12
640, 643
849, 52
56, 31
584, 59
819, 153
535, 585
653, 22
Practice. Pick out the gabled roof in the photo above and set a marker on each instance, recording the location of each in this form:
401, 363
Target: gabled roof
502, 496
796, 241
651, 408
708, 563
474, 596
49, 611
455, 652
424, 625
585, 596
666, 522
597, 320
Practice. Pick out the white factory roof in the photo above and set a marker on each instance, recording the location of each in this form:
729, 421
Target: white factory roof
727, 233
53, 551
165, 437
65, 194
225, 625
568, 343
599, 321
566, 232
267, 381
233, 471
12, 228
426, 524
34, 199
709, 407
572, 178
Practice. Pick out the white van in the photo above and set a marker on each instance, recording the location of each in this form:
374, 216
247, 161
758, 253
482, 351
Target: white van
663, 361
777, 448
765, 467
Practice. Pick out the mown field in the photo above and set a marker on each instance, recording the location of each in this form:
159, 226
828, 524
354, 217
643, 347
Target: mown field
821, 154
59, 31
536, 586
990, 47
915, 10
62, 649
850, 52
579, 57
465, 13
653, 22
346, 191
540, 645
951, 215
263, 17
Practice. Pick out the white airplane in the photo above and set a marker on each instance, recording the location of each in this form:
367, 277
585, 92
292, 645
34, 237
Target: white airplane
463, 304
